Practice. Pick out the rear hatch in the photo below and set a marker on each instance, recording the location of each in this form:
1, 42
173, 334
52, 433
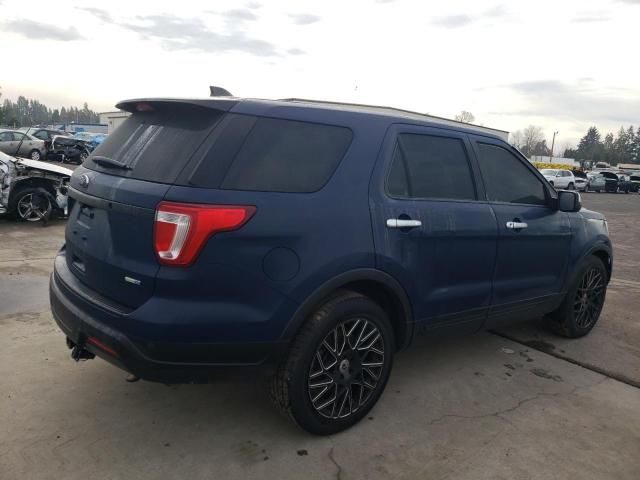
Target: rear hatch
109, 234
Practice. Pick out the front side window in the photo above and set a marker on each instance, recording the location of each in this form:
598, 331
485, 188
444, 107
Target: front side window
428, 166
507, 179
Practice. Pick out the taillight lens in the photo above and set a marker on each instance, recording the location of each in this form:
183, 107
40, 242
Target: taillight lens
181, 229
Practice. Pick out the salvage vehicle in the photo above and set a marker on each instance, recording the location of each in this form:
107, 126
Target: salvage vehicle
32, 190
20, 144
316, 237
611, 181
624, 182
91, 140
68, 150
581, 181
597, 183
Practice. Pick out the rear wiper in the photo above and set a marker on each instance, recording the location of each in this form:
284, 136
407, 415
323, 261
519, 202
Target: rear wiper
110, 163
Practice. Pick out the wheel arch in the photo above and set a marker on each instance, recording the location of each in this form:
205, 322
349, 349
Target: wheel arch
605, 256
30, 182
381, 287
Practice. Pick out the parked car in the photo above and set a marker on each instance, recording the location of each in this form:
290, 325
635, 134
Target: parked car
581, 181
624, 182
596, 183
91, 140
611, 180
635, 183
315, 237
20, 144
45, 134
32, 190
560, 178
68, 150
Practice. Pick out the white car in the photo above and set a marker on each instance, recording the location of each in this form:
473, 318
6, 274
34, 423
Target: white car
560, 179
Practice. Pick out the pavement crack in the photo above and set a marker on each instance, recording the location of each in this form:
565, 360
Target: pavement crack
337, 465
519, 404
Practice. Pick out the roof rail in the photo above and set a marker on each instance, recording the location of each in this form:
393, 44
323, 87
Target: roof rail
389, 109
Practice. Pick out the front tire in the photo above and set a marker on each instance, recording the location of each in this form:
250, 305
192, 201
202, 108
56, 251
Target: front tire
33, 205
571, 186
581, 308
338, 365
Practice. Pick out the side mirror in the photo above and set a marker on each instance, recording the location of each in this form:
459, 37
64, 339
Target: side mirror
569, 201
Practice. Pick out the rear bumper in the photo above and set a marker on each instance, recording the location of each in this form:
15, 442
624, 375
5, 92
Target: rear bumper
89, 323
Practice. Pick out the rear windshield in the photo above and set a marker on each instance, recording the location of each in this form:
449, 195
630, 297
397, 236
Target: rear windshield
155, 146
272, 155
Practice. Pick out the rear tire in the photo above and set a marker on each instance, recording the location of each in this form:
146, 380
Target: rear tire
35, 154
338, 365
582, 305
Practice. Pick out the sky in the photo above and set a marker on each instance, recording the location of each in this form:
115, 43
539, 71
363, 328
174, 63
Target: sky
563, 65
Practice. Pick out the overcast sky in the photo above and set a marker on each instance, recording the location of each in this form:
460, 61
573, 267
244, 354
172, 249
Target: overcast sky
564, 65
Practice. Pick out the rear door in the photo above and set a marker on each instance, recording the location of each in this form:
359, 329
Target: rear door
7, 144
109, 234
534, 238
431, 230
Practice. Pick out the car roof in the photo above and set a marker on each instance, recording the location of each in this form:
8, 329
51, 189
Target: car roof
264, 107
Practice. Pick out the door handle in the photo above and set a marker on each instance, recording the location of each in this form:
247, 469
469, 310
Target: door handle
403, 223
516, 225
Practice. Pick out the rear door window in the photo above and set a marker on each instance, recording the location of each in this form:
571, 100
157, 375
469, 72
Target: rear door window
155, 146
430, 167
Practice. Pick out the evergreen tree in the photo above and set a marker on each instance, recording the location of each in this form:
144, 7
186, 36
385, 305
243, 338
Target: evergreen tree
590, 146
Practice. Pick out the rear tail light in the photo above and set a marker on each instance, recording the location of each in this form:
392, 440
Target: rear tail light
181, 229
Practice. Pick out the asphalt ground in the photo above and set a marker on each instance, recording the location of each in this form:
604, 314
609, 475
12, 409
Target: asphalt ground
486, 406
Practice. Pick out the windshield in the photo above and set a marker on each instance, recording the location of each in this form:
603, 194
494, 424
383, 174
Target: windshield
548, 171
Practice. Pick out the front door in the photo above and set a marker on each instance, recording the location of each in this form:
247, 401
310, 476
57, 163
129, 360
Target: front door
430, 230
534, 237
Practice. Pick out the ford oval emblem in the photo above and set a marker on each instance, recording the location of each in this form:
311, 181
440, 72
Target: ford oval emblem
84, 180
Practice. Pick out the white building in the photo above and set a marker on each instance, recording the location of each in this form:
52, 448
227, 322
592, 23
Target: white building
113, 119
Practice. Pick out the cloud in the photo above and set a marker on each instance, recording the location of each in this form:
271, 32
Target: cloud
253, 5
461, 20
295, 51
452, 21
42, 31
98, 13
591, 19
193, 34
304, 18
239, 14
579, 101
632, 2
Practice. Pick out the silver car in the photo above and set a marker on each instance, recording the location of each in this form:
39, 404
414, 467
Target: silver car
20, 144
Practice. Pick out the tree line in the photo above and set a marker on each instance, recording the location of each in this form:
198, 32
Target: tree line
26, 112
622, 147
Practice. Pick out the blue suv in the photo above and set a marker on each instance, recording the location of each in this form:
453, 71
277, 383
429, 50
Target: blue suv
319, 238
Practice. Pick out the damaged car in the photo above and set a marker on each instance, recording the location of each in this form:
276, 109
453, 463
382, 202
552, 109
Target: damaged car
32, 190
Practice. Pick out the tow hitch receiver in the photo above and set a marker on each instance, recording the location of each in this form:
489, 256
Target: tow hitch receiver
78, 353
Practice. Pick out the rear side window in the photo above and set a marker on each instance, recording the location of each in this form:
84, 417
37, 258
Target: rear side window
287, 156
507, 179
155, 146
426, 166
